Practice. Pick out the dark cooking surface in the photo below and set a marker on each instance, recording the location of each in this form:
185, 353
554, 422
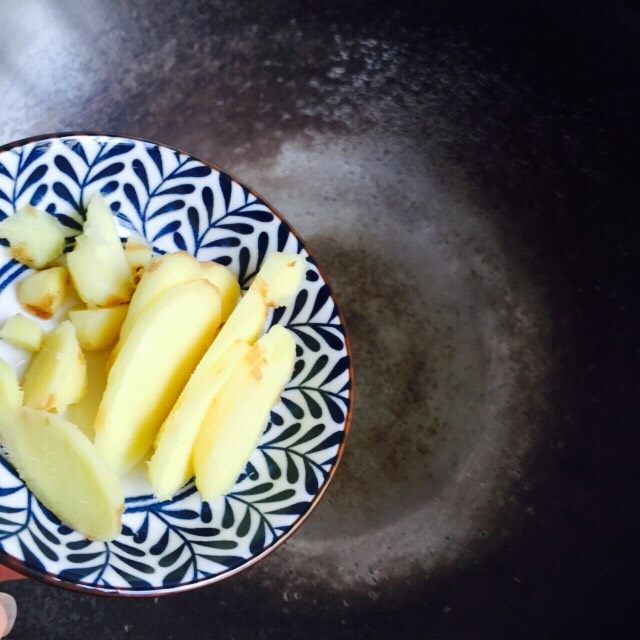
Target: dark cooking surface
467, 174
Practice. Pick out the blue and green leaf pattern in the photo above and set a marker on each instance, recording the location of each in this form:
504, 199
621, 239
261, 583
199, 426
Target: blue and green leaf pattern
179, 203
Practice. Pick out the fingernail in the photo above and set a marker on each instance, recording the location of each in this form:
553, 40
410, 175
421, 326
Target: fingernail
8, 603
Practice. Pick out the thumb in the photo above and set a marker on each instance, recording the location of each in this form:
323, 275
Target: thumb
8, 612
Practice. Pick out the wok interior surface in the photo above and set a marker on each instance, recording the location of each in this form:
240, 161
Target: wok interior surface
467, 176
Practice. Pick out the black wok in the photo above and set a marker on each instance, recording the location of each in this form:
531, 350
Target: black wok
467, 175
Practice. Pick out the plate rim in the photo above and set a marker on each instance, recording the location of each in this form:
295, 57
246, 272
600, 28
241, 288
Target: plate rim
52, 579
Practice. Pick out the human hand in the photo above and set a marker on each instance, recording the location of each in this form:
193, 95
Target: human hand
8, 607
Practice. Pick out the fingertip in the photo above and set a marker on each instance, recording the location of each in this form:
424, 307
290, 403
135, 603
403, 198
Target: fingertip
8, 613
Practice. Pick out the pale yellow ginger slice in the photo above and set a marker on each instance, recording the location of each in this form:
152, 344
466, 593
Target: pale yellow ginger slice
279, 278
97, 264
42, 293
10, 392
35, 237
98, 329
138, 253
227, 285
153, 364
170, 270
277, 281
170, 466
162, 274
239, 412
23, 333
64, 470
83, 413
57, 375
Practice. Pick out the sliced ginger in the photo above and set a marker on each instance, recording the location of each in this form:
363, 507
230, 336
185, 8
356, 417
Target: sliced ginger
277, 281
237, 415
98, 329
43, 292
98, 266
23, 333
35, 237
57, 375
10, 392
64, 470
138, 254
170, 466
152, 366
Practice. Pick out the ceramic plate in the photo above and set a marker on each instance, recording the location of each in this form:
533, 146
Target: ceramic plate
178, 202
